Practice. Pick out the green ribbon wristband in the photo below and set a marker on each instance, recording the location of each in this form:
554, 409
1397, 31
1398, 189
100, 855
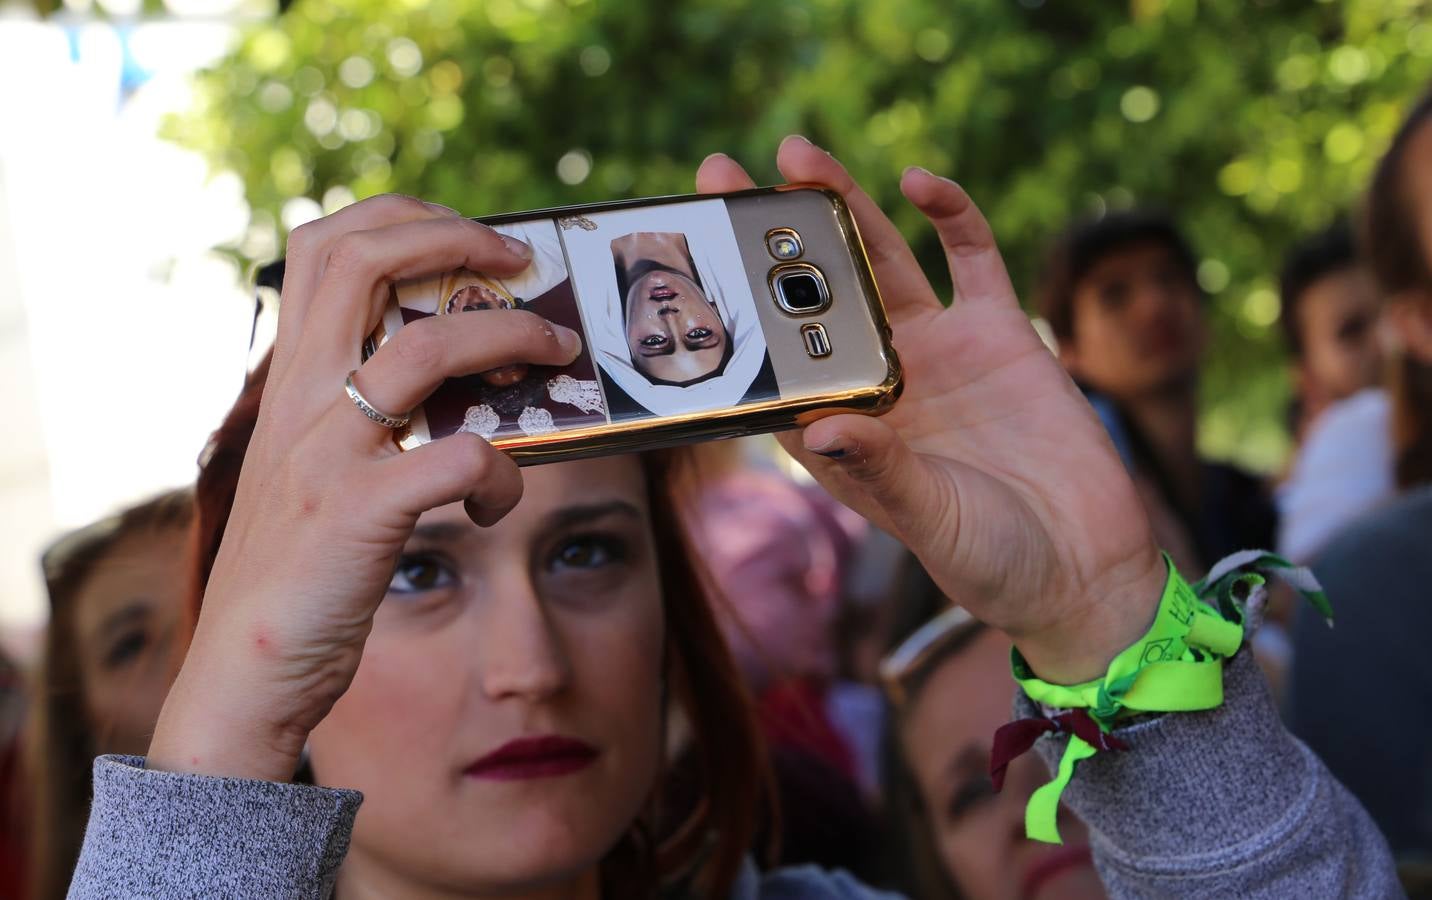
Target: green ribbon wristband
1177, 666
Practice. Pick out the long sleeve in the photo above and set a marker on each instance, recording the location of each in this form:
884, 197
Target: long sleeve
162, 834
1223, 803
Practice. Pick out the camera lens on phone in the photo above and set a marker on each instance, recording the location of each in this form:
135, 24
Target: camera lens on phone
801, 289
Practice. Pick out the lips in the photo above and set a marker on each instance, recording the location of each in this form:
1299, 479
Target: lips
1049, 866
548, 756
661, 292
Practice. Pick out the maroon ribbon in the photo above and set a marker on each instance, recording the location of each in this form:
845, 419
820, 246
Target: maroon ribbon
1015, 739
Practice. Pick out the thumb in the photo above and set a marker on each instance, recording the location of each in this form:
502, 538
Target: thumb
874, 462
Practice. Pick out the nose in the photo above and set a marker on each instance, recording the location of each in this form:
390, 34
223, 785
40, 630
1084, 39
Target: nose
521, 647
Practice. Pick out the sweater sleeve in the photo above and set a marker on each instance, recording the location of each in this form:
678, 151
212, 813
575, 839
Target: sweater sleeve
163, 834
1223, 803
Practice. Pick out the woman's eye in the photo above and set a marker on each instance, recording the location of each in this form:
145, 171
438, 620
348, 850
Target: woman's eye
587, 553
967, 797
698, 334
1353, 329
126, 649
1114, 295
654, 340
416, 574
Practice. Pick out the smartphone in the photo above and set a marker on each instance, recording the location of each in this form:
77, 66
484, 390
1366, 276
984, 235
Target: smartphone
702, 317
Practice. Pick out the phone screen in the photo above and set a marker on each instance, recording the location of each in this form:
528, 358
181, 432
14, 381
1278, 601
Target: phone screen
661, 297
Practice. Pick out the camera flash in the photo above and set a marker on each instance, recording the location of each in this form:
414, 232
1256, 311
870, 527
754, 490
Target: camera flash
783, 243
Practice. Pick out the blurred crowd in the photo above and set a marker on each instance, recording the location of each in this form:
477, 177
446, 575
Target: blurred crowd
876, 694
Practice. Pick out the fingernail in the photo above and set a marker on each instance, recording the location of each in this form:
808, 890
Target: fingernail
517, 247
569, 339
919, 170
439, 208
835, 448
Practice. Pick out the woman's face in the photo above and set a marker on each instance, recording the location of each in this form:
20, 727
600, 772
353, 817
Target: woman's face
126, 614
980, 834
505, 723
673, 331
1138, 323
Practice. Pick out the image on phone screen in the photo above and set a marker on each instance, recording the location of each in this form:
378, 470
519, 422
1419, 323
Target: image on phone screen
660, 297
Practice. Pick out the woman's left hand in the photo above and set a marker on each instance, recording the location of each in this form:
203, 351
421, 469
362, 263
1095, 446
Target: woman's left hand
992, 467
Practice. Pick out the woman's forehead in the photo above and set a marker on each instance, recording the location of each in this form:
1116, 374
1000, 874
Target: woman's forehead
145, 569
552, 487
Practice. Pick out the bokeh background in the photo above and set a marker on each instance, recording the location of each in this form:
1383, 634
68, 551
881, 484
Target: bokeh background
151, 153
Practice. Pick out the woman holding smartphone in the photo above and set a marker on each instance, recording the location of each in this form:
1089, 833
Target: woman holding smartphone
489, 655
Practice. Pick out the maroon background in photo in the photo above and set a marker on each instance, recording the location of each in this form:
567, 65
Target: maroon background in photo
447, 406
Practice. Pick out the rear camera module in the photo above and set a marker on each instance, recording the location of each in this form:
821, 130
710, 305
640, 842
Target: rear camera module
800, 289
784, 243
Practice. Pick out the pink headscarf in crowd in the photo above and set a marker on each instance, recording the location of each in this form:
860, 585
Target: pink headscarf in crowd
779, 553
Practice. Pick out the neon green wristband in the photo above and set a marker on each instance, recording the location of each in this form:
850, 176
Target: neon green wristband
1177, 666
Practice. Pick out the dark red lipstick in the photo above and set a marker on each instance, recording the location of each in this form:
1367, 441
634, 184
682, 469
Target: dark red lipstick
1051, 865
534, 757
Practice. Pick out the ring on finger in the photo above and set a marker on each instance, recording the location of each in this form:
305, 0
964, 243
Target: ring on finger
368, 409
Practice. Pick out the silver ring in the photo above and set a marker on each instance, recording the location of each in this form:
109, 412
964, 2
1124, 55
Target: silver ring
369, 409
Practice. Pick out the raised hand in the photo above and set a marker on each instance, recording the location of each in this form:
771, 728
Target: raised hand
992, 468
325, 501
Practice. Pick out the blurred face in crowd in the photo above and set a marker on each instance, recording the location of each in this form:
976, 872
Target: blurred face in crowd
1337, 319
1137, 323
1411, 314
980, 834
126, 615
505, 722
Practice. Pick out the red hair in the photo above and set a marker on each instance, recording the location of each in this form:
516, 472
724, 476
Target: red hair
707, 847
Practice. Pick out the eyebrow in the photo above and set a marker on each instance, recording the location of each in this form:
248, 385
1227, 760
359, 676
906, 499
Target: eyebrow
451, 532
965, 762
137, 610
576, 515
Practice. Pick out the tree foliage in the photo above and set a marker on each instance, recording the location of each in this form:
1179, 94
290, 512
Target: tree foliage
1254, 121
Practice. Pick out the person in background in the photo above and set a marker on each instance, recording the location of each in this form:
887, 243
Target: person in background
116, 591
1330, 306
951, 834
1121, 295
1343, 418
1359, 694
778, 553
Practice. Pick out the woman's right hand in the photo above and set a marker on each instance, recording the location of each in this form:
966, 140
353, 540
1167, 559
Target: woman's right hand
325, 501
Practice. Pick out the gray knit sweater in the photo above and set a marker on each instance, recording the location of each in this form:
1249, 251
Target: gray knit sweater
1217, 804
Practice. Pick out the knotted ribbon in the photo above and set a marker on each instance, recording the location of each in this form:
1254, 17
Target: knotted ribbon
1177, 666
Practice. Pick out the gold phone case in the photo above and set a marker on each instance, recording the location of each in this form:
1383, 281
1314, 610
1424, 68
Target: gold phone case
693, 328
